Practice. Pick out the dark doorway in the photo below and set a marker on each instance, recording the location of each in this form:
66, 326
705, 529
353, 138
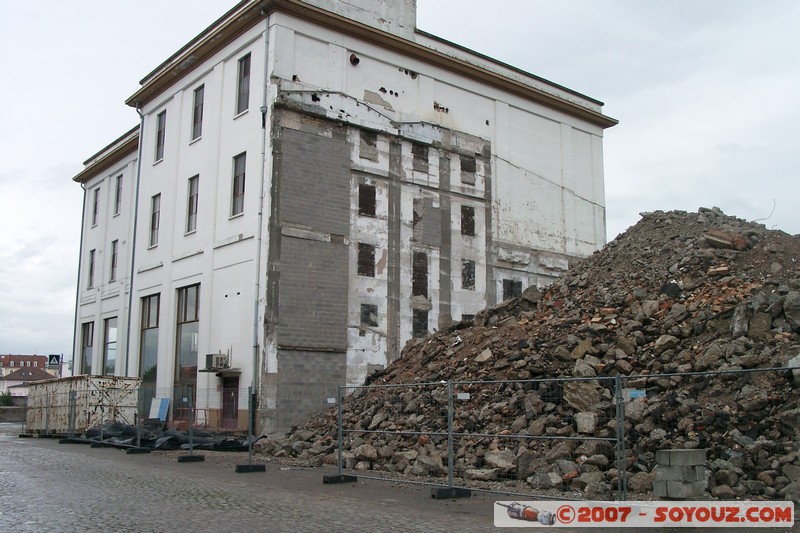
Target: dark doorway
230, 402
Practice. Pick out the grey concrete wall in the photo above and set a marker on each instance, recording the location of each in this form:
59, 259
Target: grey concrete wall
315, 181
313, 294
307, 380
14, 413
309, 265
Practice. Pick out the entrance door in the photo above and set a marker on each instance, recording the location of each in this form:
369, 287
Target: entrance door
230, 402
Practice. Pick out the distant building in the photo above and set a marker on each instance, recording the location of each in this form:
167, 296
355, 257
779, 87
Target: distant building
10, 363
312, 184
16, 382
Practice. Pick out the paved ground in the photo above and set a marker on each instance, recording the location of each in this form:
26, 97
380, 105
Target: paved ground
46, 486
51, 487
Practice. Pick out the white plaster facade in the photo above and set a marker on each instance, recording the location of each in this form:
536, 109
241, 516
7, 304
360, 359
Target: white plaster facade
537, 190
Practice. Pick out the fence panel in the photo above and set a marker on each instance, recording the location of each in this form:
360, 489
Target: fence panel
402, 430
553, 438
746, 421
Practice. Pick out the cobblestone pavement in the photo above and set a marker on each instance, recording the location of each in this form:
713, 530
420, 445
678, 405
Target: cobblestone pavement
51, 487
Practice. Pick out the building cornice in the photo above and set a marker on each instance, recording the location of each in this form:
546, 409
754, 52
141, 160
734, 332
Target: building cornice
109, 156
246, 14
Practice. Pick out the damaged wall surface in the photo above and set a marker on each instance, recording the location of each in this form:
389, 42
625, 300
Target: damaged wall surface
337, 184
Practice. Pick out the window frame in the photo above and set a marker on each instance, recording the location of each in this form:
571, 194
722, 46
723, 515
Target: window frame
118, 195
155, 219
95, 205
148, 323
114, 260
237, 183
243, 85
161, 135
467, 220
197, 112
109, 345
468, 274
192, 199
419, 275
87, 341
365, 264
367, 200
91, 272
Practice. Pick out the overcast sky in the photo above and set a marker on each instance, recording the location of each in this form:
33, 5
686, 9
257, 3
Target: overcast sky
705, 92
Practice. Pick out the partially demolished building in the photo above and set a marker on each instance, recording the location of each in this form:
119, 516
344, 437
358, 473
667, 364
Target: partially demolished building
312, 184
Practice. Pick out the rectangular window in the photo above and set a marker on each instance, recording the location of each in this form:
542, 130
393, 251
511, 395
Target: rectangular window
467, 317
368, 148
109, 346
148, 345
366, 200
197, 112
511, 289
90, 279
419, 323
87, 341
118, 195
366, 260
237, 194
468, 168
155, 219
420, 157
416, 219
467, 220
243, 87
95, 205
161, 132
191, 203
186, 349
369, 315
419, 275
468, 274
114, 254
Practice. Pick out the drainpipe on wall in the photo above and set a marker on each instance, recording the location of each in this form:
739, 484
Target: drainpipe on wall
78, 285
133, 241
259, 230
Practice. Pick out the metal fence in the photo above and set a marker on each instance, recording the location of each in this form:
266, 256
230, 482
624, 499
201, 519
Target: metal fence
71, 408
582, 438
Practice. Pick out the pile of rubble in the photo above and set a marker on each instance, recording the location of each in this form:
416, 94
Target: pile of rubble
677, 293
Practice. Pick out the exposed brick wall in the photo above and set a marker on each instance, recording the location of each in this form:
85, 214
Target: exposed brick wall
315, 181
307, 380
313, 294
311, 271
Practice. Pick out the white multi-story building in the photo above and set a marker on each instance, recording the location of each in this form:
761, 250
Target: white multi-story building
312, 184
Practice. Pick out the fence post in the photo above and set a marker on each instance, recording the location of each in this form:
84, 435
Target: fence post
47, 415
251, 430
71, 415
339, 437
339, 477
450, 434
191, 422
622, 471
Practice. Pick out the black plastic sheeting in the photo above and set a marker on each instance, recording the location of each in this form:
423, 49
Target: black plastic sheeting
124, 436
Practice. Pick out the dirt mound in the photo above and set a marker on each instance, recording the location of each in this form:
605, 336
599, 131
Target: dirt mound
678, 292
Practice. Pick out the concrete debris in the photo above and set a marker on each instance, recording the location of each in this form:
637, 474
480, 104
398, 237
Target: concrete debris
677, 292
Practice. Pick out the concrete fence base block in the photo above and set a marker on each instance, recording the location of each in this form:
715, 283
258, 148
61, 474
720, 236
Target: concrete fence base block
690, 457
246, 469
191, 458
138, 450
344, 478
679, 490
443, 493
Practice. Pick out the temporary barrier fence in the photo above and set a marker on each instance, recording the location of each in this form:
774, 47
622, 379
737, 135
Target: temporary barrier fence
582, 438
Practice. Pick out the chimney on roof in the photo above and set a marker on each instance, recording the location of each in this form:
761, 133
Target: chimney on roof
392, 16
